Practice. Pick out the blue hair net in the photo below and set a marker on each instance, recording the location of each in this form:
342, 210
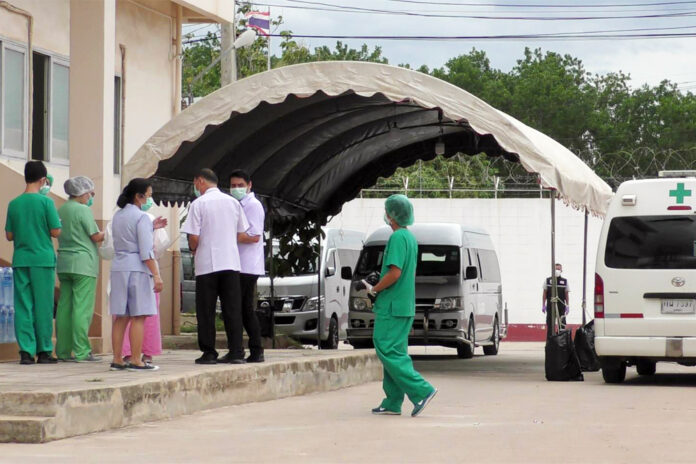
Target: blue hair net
400, 209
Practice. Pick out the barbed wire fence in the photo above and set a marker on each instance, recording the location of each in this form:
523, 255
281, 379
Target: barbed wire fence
482, 177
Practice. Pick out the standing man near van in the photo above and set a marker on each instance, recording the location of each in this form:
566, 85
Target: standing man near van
32, 220
395, 308
563, 297
250, 245
211, 218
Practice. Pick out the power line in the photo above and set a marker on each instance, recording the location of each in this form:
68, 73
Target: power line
556, 34
542, 5
548, 37
322, 6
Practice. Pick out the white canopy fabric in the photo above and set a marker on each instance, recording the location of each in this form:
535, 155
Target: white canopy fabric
557, 167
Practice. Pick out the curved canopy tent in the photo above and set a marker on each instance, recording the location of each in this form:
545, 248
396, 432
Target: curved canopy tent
313, 135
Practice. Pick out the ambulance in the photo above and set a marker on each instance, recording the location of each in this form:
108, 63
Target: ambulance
645, 281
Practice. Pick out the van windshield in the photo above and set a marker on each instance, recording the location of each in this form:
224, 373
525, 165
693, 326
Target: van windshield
433, 260
651, 242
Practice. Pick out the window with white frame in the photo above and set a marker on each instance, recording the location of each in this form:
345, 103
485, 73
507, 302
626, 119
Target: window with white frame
60, 99
13, 101
51, 98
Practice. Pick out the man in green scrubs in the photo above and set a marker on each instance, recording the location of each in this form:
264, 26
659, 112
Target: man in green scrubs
32, 220
395, 308
78, 269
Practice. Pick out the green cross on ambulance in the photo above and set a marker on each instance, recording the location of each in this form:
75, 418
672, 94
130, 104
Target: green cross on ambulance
645, 282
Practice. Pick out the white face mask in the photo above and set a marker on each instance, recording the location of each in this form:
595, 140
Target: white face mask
558, 273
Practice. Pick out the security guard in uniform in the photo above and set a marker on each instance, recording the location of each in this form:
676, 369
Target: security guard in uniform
395, 308
563, 297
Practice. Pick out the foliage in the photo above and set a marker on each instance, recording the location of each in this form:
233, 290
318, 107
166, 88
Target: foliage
295, 251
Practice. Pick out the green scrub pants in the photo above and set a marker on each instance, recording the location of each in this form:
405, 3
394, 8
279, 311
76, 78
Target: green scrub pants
74, 315
33, 300
391, 343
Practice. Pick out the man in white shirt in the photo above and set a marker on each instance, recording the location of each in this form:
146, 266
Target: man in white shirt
210, 219
252, 258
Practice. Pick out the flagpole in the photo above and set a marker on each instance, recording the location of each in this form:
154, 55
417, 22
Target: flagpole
269, 39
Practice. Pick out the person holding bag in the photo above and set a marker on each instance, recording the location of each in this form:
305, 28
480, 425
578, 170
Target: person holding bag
134, 274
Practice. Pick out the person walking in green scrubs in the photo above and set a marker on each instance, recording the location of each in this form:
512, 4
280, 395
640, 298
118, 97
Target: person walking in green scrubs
78, 269
395, 308
32, 220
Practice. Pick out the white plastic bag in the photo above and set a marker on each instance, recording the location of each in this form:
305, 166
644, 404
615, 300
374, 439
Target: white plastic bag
106, 249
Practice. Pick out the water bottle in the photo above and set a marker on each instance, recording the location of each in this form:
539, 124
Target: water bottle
9, 323
9, 291
3, 324
7, 285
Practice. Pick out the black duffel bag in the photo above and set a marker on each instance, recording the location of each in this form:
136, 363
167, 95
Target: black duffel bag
585, 349
561, 360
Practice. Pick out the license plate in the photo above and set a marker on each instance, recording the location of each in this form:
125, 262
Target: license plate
678, 306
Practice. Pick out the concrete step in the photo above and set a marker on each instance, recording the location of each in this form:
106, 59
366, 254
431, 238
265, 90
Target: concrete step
69, 399
25, 429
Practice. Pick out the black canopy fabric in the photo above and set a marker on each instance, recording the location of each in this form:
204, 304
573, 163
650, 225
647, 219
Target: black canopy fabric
309, 156
312, 136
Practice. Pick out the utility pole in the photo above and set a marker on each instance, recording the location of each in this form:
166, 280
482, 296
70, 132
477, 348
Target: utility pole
228, 63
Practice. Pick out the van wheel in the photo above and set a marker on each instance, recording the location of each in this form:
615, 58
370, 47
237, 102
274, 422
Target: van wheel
492, 350
613, 370
331, 343
646, 367
466, 350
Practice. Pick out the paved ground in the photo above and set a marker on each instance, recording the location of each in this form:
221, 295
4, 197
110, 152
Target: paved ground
489, 409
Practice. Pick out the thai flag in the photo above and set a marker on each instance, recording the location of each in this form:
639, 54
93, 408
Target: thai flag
259, 20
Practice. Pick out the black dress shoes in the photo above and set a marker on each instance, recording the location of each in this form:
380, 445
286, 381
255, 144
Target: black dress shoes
255, 358
229, 359
25, 358
207, 358
46, 358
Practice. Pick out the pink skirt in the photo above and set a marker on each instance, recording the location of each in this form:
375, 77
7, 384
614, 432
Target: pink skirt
152, 341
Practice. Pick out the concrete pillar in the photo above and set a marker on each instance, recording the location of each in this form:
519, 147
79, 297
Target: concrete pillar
92, 45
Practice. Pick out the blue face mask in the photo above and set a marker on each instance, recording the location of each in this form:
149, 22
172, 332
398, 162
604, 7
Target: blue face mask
90, 202
147, 205
196, 192
386, 220
238, 192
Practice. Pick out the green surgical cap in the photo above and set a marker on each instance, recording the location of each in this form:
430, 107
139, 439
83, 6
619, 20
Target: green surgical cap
400, 209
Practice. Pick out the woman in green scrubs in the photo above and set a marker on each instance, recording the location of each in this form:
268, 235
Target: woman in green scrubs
395, 308
78, 269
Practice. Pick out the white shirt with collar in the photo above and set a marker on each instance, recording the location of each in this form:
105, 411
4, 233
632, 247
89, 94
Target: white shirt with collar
212, 217
251, 254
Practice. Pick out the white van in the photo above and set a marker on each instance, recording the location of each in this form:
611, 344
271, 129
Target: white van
458, 289
645, 282
296, 296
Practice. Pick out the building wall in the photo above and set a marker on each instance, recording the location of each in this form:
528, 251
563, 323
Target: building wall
520, 229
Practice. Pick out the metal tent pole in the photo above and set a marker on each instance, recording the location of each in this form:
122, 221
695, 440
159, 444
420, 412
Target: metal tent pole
271, 274
554, 283
319, 267
584, 272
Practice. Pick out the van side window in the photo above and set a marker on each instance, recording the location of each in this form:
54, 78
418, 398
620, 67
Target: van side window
489, 261
478, 259
331, 261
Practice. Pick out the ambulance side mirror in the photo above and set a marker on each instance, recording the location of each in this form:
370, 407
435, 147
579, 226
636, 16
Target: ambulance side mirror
471, 273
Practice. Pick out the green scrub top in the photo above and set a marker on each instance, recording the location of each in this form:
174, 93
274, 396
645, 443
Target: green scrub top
400, 298
30, 217
77, 253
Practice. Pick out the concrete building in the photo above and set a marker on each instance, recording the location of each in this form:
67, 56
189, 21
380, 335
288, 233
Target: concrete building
84, 83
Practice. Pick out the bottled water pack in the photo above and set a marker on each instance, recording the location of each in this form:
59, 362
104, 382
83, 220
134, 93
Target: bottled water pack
7, 334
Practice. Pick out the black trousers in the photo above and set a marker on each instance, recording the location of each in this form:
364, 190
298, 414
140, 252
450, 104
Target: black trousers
251, 322
224, 284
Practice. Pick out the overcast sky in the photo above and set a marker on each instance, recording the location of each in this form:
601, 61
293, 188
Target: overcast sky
645, 60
